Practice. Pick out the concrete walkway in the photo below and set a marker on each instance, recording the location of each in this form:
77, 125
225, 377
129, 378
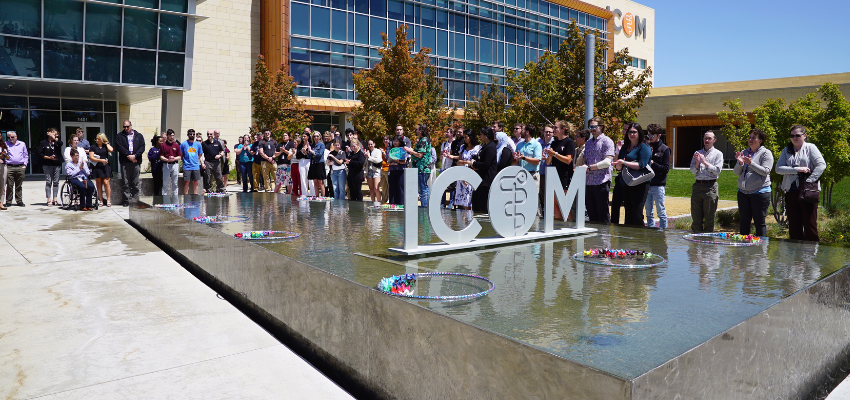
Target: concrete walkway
89, 309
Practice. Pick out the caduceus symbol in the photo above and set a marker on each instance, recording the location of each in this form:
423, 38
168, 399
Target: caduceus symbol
513, 187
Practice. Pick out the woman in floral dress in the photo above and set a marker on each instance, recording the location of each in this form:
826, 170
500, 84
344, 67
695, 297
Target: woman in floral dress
463, 192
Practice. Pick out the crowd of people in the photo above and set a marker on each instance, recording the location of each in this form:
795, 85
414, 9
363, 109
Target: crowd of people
335, 164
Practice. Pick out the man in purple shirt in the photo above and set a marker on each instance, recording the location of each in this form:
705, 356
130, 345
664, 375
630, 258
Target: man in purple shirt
16, 167
598, 153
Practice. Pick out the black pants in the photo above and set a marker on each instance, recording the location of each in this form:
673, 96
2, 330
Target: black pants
802, 217
396, 195
634, 198
596, 201
541, 196
753, 208
355, 192
86, 190
157, 182
479, 199
618, 199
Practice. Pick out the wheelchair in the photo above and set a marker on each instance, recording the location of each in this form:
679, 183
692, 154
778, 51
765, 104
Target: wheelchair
70, 196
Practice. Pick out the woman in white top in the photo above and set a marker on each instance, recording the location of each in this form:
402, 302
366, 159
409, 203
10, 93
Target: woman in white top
373, 172
468, 150
799, 162
74, 143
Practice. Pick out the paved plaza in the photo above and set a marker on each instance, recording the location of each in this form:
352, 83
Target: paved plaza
90, 309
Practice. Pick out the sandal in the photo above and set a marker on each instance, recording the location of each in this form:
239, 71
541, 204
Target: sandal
109, 204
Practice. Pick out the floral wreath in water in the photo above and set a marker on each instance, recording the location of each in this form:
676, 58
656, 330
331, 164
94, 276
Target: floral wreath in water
404, 286
619, 258
314, 198
216, 194
266, 236
174, 206
727, 239
387, 207
220, 219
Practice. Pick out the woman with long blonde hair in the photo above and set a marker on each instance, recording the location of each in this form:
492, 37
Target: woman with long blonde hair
102, 171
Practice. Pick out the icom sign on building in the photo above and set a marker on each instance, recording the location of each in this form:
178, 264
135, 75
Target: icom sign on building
629, 24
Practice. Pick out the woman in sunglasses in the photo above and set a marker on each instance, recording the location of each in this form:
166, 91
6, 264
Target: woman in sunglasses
800, 163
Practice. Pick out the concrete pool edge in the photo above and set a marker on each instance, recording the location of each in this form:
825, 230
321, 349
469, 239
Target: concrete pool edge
389, 347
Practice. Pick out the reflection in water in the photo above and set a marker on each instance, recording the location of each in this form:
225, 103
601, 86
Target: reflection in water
623, 321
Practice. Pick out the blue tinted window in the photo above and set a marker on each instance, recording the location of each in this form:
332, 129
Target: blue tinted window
473, 26
172, 33
429, 39
320, 22
324, 58
443, 43
174, 5
487, 29
378, 8
361, 29
459, 46
429, 17
486, 51
103, 64
338, 4
442, 19
103, 24
301, 73
170, 70
142, 3
139, 67
63, 60
350, 37
320, 76
458, 23
378, 25
298, 42
338, 28
320, 93
26, 61
63, 20
300, 19
470, 49
339, 78
532, 5
395, 10
140, 29
23, 17
409, 14
299, 54
361, 6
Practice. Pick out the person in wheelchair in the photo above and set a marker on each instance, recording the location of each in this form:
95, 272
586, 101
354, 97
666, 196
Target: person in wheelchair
78, 173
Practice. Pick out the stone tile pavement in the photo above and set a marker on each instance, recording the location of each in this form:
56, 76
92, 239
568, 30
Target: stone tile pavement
89, 309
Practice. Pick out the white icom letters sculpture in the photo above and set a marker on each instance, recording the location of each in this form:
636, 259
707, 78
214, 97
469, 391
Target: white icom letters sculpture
512, 205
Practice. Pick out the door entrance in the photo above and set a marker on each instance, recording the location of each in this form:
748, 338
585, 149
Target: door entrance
91, 130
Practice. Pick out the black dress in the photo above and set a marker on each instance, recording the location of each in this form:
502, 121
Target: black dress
101, 170
485, 167
355, 176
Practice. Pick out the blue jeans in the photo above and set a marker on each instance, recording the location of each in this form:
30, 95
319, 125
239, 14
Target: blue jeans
424, 191
245, 169
338, 181
656, 195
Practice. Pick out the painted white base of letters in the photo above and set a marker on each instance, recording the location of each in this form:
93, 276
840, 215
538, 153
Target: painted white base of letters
487, 242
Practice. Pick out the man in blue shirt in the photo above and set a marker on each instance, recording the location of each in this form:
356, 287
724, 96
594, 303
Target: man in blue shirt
191, 151
528, 155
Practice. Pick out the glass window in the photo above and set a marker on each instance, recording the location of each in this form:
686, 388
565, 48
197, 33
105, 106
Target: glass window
320, 45
429, 16
174, 5
350, 37
139, 67
442, 19
103, 24
25, 17
442, 43
23, 55
317, 57
320, 93
63, 60
338, 59
319, 22
339, 78
139, 29
510, 34
46, 103
470, 48
532, 5
378, 8
458, 23
487, 29
301, 73
298, 42
320, 76
459, 46
361, 6
300, 54
378, 25
103, 64
40, 122
170, 69
141, 3
395, 10
338, 4
511, 56
361, 29
429, 39
172, 33
13, 102
63, 20
338, 29
320, 2
338, 48
300, 22
82, 105
473, 26
487, 51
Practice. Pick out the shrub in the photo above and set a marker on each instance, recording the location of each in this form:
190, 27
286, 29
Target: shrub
837, 230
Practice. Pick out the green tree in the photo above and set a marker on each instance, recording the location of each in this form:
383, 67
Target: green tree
555, 85
401, 90
488, 107
736, 124
274, 103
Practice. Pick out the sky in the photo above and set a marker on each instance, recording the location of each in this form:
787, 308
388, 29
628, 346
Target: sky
724, 40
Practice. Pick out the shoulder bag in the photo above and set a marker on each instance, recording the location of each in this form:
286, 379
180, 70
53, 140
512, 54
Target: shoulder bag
636, 177
809, 192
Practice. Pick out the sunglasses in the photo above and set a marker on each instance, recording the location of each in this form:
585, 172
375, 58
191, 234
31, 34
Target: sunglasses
126, 126
793, 136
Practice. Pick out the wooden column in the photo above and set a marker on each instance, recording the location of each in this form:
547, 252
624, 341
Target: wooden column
274, 33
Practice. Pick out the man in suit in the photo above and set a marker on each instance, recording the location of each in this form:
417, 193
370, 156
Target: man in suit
130, 146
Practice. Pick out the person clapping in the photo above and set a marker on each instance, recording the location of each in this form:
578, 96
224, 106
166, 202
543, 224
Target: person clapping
78, 173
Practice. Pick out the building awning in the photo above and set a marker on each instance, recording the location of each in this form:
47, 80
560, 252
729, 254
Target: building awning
331, 105
124, 94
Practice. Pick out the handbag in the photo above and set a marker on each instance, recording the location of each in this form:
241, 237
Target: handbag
636, 177
809, 192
